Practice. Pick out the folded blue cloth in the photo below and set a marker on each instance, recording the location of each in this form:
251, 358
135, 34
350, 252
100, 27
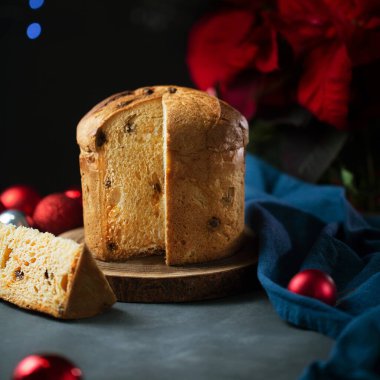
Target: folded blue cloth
302, 226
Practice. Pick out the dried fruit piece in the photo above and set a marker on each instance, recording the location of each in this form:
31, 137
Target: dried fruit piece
19, 274
213, 223
148, 91
129, 127
157, 188
107, 183
111, 246
100, 138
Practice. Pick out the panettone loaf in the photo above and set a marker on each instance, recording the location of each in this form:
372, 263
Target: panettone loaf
49, 274
163, 171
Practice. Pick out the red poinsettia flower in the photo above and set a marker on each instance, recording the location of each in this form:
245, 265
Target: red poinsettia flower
358, 24
223, 45
330, 36
254, 93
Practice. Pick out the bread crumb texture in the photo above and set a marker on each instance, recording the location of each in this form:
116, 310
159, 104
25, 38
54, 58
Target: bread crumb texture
38, 271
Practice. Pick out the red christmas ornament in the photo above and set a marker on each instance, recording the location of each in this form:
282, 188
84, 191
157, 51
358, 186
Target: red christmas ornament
46, 367
314, 283
30, 221
58, 213
20, 197
74, 193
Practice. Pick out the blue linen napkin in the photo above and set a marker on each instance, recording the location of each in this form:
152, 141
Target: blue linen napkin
302, 226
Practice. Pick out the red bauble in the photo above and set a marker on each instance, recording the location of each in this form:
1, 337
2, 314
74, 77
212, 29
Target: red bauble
20, 197
46, 367
314, 283
30, 221
74, 193
58, 213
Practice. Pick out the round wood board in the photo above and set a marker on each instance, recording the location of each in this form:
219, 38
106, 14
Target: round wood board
149, 279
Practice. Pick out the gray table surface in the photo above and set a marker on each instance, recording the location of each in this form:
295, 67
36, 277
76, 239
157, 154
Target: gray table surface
239, 337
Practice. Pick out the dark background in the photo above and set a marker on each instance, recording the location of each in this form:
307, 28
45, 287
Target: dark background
88, 50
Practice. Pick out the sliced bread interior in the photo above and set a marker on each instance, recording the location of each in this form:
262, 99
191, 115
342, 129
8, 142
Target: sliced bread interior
50, 274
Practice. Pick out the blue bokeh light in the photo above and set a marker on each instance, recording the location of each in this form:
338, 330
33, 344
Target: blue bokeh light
35, 4
34, 30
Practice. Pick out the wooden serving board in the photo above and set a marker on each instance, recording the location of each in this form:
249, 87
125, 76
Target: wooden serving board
148, 279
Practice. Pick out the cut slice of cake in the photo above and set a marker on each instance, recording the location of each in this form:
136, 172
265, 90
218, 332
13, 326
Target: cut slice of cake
163, 171
50, 274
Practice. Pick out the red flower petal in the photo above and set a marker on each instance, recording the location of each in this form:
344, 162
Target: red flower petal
218, 47
265, 38
253, 91
358, 23
304, 24
242, 95
364, 46
354, 9
227, 43
324, 85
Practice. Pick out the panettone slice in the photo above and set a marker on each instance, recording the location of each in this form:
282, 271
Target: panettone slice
49, 274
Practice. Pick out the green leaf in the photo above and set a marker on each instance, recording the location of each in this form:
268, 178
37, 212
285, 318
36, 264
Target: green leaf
347, 178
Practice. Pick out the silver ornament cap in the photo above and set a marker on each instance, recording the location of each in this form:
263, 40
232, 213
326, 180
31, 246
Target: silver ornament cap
14, 217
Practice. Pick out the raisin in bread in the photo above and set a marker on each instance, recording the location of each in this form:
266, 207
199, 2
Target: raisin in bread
163, 171
49, 274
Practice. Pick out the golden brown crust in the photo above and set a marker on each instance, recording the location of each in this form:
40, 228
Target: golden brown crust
205, 165
205, 168
223, 136
202, 122
95, 119
89, 291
